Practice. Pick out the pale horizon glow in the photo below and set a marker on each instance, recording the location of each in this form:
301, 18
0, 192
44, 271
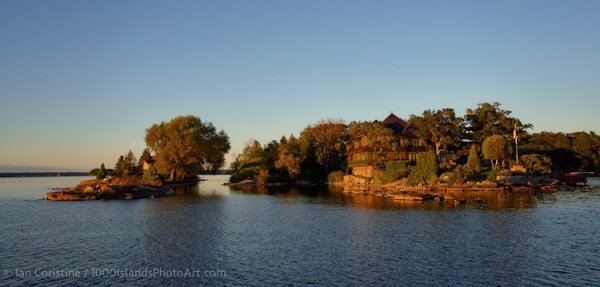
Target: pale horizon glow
80, 81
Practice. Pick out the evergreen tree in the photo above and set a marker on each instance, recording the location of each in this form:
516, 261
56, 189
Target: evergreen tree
121, 169
130, 163
101, 172
473, 162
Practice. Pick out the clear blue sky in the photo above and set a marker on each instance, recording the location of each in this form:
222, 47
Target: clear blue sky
80, 81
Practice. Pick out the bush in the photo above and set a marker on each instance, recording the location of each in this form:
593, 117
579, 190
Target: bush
426, 169
393, 171
458, 176
335, 177
492, 175
474, 162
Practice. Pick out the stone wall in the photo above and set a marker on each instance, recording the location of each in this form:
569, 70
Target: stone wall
363, 171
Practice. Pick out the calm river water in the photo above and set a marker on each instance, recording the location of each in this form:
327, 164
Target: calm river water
211, 235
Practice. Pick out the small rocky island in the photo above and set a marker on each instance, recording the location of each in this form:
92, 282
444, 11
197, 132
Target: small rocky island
111, 188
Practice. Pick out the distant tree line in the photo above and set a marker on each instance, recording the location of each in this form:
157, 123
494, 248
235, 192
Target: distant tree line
484, 136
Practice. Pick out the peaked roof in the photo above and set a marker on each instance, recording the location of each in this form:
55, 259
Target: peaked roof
395, 123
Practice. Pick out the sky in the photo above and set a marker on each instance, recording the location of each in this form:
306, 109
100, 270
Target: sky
81, 81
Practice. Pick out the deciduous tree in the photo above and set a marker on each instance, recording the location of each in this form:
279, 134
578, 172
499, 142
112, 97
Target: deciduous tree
439, 128
488, 120
494, 149
328, 136
288, 157
182, 145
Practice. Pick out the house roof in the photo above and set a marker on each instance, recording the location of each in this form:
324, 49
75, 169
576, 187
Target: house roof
396, 124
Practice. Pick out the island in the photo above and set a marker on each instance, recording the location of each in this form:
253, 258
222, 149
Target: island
424, 155
177, 151
111, 188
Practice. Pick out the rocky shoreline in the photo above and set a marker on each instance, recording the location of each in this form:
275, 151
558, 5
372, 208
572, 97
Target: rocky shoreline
452, 193
110, 189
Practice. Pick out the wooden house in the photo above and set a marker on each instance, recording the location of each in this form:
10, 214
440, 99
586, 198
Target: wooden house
404, 147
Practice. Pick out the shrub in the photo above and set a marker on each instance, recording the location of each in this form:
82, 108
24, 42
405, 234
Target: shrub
458, 176
492, 175
151, 174
393, 171
335, 177
474, 162
494, 149
426, 169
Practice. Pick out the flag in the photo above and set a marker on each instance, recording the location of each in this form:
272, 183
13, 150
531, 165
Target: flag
515, 136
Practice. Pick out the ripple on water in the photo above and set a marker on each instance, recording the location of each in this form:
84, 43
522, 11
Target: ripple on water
306, 238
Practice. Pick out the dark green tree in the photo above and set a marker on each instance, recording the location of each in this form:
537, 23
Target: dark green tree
126, 165
474, 162
494, 149
219, 144
537, 164
488, 120
121, 167
101, 172
439, 129
130, 163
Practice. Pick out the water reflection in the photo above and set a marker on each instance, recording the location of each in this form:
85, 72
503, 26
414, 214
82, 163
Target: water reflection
491, 200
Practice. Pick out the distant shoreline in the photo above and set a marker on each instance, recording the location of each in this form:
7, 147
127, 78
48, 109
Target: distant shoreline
42, 174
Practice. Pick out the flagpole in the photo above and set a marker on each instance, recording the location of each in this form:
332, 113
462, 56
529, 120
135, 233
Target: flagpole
517, 148
516, 137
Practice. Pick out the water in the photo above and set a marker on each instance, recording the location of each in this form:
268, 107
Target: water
307, 236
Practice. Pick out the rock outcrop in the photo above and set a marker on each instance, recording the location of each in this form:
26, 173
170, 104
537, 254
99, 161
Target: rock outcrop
94, 190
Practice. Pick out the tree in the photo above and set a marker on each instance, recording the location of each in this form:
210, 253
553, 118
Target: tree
126, 165
130, 162
473, 162
586, 147
101, 172
182, 145
219, 143
251, 154
248, 164
439, 128
537, 164
494, 149
328, 136
121, 169
488, 120
555, 145
287, 158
